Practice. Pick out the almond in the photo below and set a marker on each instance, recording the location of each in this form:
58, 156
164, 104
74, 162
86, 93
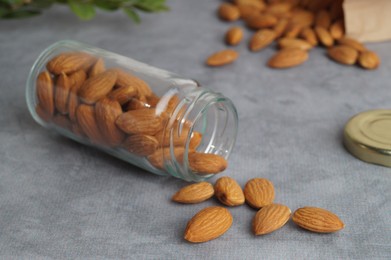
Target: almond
343, 54
302, 17
208, 224
42, 113
228, 12
45, 92
309, 35
163, 155
261, 21
352, 43
206, 163
62, 121
324, 36
228, 192
317, 220
286, 43
123, 94
259, 192
292, 31
288, 58
278, 8
106, 112
70, 62
85, 116
125, 79
153, 100
97, 87
254, 4
246, 11
77, 80
97, 68
323, 19
195, 140
337, 29
369, 60
63, 86
261, 39
270, 218
136, 103
280, 27
194, 193
175, 134
222, 58
234, 35
142, 145
141, 121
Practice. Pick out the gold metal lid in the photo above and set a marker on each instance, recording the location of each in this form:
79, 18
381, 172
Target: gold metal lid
368, 136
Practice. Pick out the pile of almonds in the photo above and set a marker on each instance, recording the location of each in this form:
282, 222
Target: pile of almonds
113, 108
258, 193
297, 26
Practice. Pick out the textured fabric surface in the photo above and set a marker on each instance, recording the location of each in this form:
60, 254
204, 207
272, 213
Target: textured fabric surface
60, 199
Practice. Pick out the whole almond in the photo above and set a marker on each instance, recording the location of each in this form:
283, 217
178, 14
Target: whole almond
270, 218
123, 94
222, 58
125, 79
136, 103
261, 21
234, 35
208, 224
309, 35
195, 140
293, 30
317, 220
45, 92
163, 155
228, 192
85, 116
62, 121
142, 145
97, 87
70, 62
140, 121
280, 27
228, 12
278, 8
286, 43
302, 17
259, 192
261, 39
352, 43
194, 193
97, 68
106, 112
337, 29
343, 54
246, 11
369, 60
324, 36
254, 4
77, 80
288, 58
206, 163
323, 19
63, 86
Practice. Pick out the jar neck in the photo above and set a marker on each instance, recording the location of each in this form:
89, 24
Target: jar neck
200, 111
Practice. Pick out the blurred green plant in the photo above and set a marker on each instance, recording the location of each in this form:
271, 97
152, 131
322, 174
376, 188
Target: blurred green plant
84, 9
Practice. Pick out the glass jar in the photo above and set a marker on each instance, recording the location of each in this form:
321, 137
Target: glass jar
151, 118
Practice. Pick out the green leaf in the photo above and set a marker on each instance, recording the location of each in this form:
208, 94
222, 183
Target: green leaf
107, 5
151, 5
132, 14
82, 9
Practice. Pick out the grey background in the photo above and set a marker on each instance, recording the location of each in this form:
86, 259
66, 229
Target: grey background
59, 199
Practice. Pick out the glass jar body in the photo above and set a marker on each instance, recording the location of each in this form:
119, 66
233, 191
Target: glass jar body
146, 116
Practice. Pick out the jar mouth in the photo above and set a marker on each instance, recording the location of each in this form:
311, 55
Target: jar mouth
209, 114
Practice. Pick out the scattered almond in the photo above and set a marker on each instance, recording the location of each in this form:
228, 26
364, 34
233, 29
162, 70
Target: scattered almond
228, 12
261, 39
261, 21
280, 27
343, 54
369, 60
222, 58
337, 29
194, 193
270, 218
259, 192
206, 163
286, 58
228, 192
317, 220
234, 35
286, 43
352, 43
324, 36
309, 35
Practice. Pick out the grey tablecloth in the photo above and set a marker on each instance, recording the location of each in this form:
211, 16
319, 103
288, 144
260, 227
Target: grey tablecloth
59, 199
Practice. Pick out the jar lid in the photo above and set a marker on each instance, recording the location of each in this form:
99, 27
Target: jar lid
368, 136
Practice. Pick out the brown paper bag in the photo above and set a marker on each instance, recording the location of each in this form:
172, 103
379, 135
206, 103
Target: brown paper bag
368, 20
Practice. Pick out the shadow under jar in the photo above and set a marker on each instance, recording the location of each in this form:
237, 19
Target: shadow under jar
149, 117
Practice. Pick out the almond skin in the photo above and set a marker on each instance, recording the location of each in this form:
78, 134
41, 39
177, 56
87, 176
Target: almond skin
337, 29
208, 224
194, 193
309, 35
158, 158
45, 92
292, 31
125, 79
97, 68
352, 43
323, 19
259, 192
97, 87
228, 192
206, 163
286, 43
302, 17
261, 21
234, 35
123, 94
324, 36
228, 12
222, 58
288, 58
70, 62
106, 112
63, 86
317, 220
77, 80
142, 145
140, 121
85, 116
280, 27
136, 103
343, 54
369, 60
246, 11
278, 8
270, 218
254, 4
261, 39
